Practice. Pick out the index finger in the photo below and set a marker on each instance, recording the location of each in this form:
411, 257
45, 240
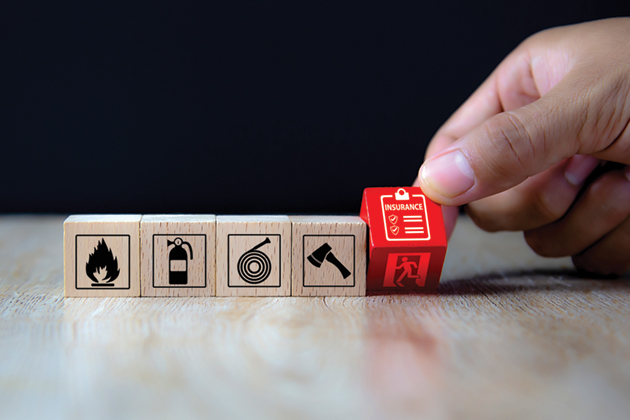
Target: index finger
481, 105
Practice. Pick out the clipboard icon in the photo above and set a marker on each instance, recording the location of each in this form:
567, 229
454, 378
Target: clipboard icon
405, 216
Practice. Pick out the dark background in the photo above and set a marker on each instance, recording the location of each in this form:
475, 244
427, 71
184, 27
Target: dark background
239, 107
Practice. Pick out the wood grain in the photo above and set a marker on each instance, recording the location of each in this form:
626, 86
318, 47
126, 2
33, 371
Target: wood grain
237, 235
114, 234
508, 335
199, 231
347, 236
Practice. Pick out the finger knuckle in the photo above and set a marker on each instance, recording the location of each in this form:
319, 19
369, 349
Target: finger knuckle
611, 192
515, 141
547, 208
606, 109
538, 243
486, 221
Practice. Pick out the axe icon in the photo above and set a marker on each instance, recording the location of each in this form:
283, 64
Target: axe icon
324, 252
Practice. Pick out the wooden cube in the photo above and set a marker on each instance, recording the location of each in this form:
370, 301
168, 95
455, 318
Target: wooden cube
177, 255
101, 255
329, 255
253, 256
407, 240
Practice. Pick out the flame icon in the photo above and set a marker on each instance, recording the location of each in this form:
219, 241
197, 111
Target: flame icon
102, 266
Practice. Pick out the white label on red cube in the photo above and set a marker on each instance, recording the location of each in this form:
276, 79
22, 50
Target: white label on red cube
405, 217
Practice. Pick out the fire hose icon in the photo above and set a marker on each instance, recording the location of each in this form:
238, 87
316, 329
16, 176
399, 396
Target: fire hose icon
254, 266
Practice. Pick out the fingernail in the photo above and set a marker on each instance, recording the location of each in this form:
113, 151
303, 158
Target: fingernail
626, 172
579, 168
448, 175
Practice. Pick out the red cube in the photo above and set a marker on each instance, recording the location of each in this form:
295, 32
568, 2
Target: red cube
407, 240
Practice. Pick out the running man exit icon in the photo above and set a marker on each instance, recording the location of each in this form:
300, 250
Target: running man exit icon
405, 269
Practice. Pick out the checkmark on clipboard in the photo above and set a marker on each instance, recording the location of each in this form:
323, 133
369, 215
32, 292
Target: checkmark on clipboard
405, 217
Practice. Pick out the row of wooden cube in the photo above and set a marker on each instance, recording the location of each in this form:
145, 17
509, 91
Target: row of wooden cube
208, 255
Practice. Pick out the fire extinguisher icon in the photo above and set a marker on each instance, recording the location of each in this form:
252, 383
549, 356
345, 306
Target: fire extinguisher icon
178, 261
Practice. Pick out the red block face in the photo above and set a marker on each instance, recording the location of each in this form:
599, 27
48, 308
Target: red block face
407, 240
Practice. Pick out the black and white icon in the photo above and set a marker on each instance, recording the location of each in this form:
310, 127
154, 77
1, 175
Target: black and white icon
328, 260
102, 261
178, 261
102, 266
253, 260
254, 266
324, 253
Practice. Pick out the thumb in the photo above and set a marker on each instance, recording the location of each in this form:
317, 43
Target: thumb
510, 147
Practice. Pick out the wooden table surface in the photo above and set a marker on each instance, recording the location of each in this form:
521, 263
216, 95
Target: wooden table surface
508, 336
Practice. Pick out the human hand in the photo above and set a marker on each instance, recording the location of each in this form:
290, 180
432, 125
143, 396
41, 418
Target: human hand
519, 151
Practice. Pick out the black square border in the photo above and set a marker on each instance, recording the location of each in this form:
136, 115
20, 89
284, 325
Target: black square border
205, 261
354, 259
76, 262
279, 253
